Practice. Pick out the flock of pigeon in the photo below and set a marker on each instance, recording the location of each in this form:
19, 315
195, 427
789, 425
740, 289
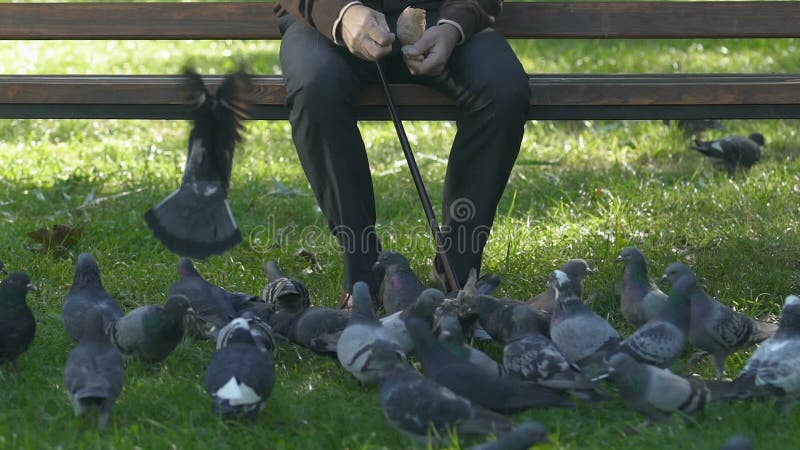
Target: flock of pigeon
556, 351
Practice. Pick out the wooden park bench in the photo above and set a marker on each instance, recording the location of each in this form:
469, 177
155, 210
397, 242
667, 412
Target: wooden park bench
561, 96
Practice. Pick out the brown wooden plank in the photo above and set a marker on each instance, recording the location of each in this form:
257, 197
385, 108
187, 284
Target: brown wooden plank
255, 20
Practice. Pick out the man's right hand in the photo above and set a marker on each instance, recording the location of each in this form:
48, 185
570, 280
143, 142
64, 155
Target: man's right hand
366, 33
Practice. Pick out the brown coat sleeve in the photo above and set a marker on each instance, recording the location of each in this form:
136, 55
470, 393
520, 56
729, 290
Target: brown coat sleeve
472, 15
320, 14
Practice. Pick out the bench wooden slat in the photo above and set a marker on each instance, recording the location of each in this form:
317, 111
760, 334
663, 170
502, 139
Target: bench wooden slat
158, 96
255, 20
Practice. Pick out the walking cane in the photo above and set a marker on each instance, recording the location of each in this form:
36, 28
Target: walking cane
423, 193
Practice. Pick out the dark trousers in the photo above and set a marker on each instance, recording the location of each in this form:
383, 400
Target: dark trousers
491, 90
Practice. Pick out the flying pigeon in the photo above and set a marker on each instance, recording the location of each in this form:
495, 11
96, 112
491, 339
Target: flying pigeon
523, 437
733, 152
451, 336
87, 292
401, 286
641, 300
212, 306
738, 442
362, 331
150, 332
94, 373
259, 330
576, 330
319, 328
775, 364
423, 409
656, 392
502, 395
718, 329
423, 307
543, 303
196, 221
240, 376
285, 293
17, 324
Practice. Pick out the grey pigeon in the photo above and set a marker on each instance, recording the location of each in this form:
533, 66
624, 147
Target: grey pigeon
656, 392
240, 376
287, 294
451, 336
575, 329
523, 437
775, 364
150, 332
319, 328
733, 152
531, 356
718, 329
641, 300
660, 341
401, 286
502, 395
213, 306
17, 324
423, 307
738, 442
576, 269
259, 330
362, 331
423, 409
196, 220
87, 292
94, 373
495, 315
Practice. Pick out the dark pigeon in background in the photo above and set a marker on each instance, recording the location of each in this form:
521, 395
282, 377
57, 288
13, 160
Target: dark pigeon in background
319, 328
240, 376
401, 286
523, 437
283, 292
423, 409
213, 307
363, 330
17, 323
87, 292
641, 300
716, 328
94, 373
739, 442
656, 392
576, 269
150, 332
502, 395
196, 220
451, 336
733, 152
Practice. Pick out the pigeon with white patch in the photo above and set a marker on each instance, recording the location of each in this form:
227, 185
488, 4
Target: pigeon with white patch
576, 269
285, 293
423, 307
94, 373
423, 409
260, 330
401, 286
212, 306
196, 220
362, 331
576, 330
17, 323
717, 328
241, 375
656, 392
523, 437
641, 300
733, 152
451, 336
319, 328
503, 395
150, 332
87, 292
775, 365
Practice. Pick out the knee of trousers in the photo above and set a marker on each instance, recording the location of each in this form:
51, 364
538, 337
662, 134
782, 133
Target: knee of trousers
508, 94
322, 94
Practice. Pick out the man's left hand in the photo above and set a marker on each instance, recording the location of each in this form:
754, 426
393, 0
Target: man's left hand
429, 55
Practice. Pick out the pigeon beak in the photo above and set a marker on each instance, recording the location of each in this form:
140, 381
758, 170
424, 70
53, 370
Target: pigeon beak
31, 287
663, 279
376, 266
618, 259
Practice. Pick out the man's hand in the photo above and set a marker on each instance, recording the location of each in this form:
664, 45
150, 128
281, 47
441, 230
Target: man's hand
430, 54
365, 33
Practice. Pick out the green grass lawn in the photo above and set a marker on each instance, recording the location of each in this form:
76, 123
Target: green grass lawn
580, 189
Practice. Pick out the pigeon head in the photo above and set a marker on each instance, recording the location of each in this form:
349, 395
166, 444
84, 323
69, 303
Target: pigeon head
388, 259
422, 335
186, 268
450, 329
675, 271
87, 271
482, 305
177, 305
240, 335
758, 138
18, 282
426, 304
565, 288
384, 359
362, 304
577, 269
630, 255
790, 317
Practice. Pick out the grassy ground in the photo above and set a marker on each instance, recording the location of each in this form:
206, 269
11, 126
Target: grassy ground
580, 189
